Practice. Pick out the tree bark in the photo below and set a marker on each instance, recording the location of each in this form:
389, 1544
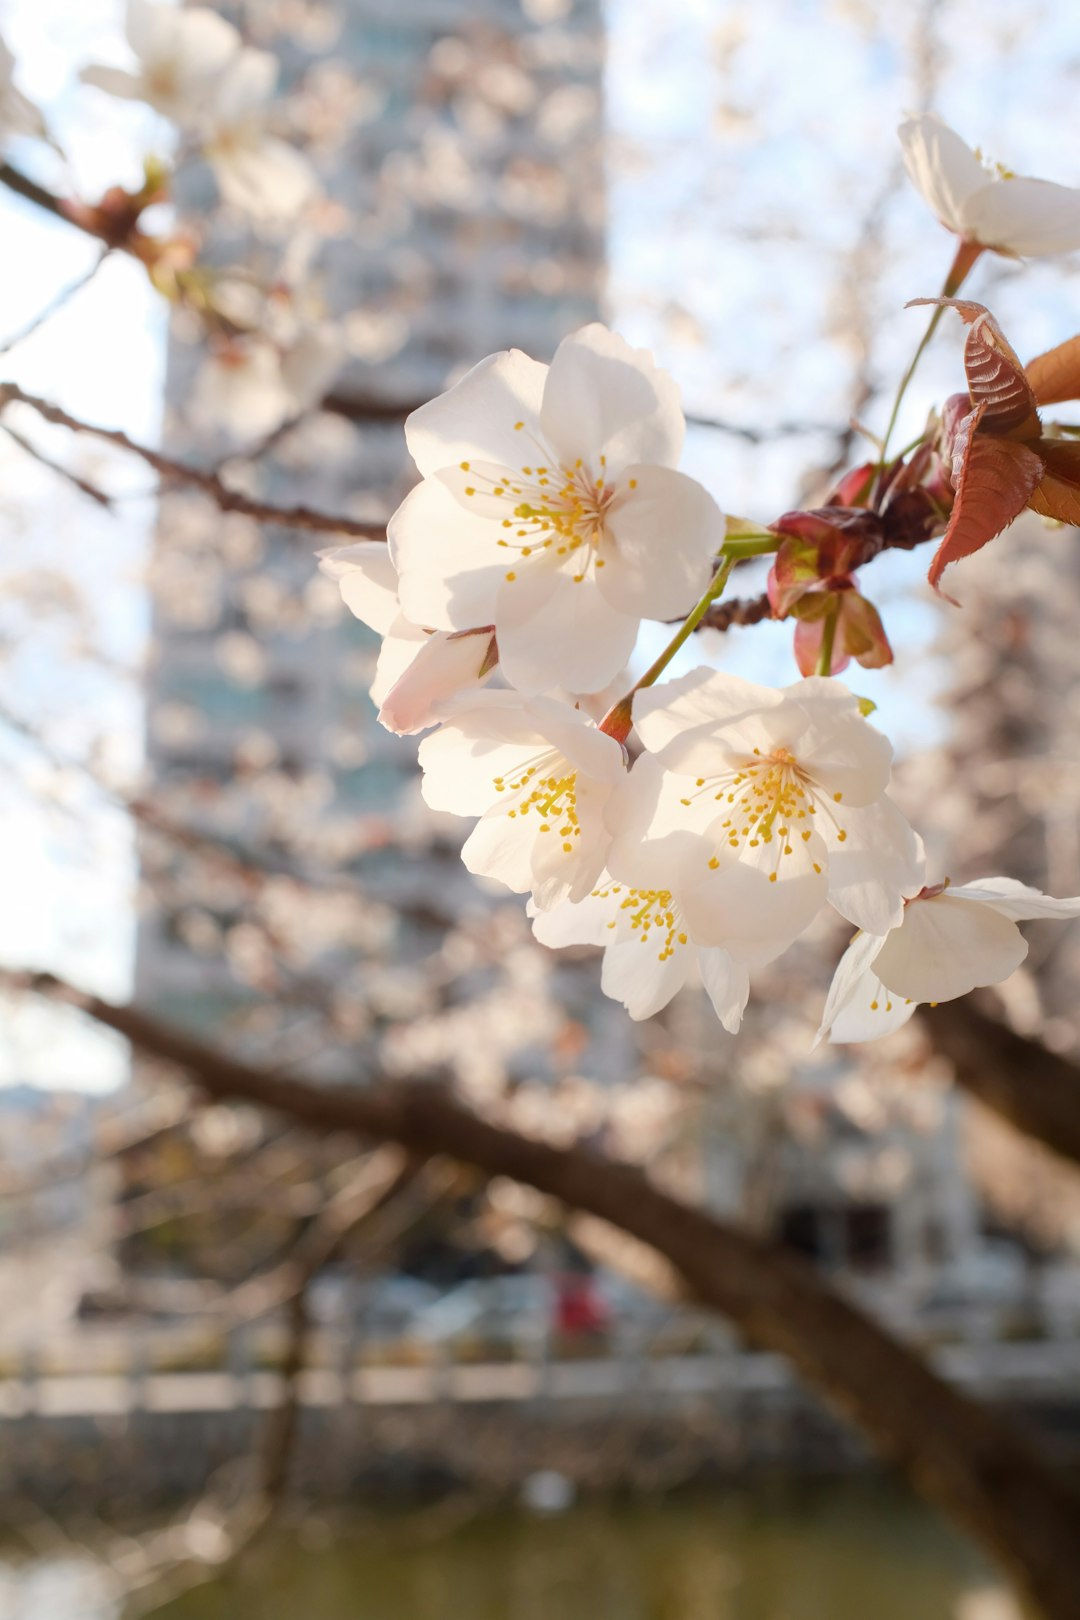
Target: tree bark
1035, 1089
968, 1459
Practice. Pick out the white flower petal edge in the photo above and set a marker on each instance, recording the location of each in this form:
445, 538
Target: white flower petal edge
182, 53
539, 775
1008, 213
549, 496
648, 954
418, 670
951, 940
776, 800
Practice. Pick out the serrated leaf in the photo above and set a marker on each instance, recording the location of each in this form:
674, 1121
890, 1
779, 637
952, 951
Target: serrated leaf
995, 376
1055, 375
994, 482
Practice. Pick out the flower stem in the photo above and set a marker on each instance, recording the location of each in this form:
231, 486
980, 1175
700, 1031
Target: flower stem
828, 641
966, 255
618, 720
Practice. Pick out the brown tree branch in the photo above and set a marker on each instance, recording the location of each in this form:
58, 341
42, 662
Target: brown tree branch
967, 1459
172, 471
1035, 1089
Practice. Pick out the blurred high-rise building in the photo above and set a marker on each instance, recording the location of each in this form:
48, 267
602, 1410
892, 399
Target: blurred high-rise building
459, 146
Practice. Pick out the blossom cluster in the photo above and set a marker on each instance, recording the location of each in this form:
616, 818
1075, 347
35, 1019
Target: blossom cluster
193, 67
550, 520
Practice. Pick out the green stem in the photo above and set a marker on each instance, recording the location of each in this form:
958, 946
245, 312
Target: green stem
966, 255
617, 721
828, 641
690, 624
760, 547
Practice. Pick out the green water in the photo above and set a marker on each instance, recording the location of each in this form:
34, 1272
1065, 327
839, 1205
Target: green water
851, 1552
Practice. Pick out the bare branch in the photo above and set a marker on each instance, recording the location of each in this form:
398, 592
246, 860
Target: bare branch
968, 1459
1035, 1089
172, 471
55, 305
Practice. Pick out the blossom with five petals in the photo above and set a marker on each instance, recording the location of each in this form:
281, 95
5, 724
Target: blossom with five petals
418, 669
182, 53
649, 953
759, 805
988, 206
195, 70
550, 508
259, 174
950, 940
539, 774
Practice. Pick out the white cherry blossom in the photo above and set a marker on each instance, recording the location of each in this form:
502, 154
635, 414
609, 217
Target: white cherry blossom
195, 69
539, 774
260, 175
648, 951
763, 804
418, 669
182, 53
1009, 213
550, 508
250, 385
949, 941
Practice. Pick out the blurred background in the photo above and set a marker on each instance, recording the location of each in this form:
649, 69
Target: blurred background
502, 1411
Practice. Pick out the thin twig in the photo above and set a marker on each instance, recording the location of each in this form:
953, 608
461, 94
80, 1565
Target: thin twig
172, 471
56, 304
83, 485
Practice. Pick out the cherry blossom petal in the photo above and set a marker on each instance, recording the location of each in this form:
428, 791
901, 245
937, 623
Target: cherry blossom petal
265, 178
1028, 217
367, 580
666, 534
496, 849
556, 630
678, 721
602, 396
449, 569
942, 167
477, 417
1016, 900
848, 980
947, 947
874, 866
196, 38
634, 973
756, 900
654, 830
460, 771
840, 752
445, 663
560, 873
115, 81
589, 921
400, 645
727, 984
870, 1012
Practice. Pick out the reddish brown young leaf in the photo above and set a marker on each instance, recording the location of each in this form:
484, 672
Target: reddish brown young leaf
1058, 494
994, 483
862, 633
995, 377
1055, 375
